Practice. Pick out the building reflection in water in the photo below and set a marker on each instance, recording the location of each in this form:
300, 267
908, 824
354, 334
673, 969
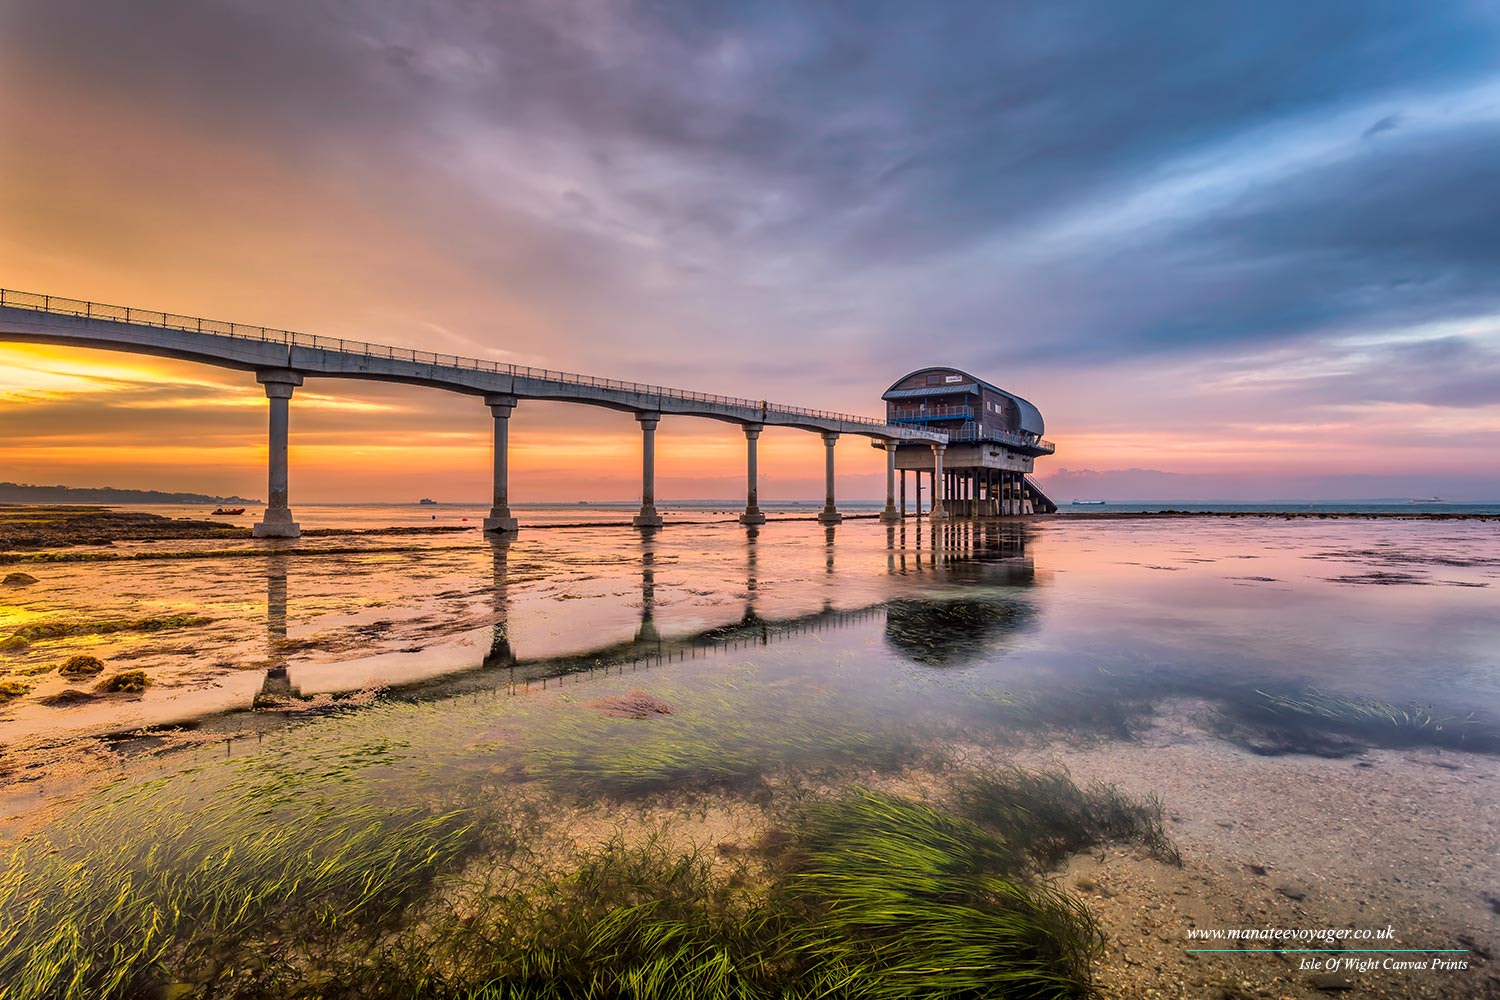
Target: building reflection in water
990, 561
987, 561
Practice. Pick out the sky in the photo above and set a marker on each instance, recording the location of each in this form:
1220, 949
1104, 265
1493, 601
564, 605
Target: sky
1232, 251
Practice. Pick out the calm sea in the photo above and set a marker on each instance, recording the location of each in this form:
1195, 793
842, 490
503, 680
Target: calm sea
371, 515
1315, 703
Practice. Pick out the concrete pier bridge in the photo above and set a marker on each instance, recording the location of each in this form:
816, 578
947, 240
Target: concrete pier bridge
281, 360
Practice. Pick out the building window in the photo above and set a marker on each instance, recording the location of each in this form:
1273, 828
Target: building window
934, 379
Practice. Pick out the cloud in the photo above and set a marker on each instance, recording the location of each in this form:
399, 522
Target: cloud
788, 201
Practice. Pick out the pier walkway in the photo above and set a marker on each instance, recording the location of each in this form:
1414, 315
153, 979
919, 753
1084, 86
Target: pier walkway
282, 359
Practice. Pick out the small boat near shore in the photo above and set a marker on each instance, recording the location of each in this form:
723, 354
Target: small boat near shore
227, 511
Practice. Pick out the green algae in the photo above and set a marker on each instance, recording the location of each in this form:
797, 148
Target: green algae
126, 682
299, 878
81, 665
60, 629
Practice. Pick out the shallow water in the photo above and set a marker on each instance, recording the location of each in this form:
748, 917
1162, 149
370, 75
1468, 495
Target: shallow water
782, 659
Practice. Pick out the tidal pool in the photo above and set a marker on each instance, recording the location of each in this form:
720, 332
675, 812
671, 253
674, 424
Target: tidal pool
1006, 759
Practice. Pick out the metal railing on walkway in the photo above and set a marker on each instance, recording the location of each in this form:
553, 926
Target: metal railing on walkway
975, 433
61, 306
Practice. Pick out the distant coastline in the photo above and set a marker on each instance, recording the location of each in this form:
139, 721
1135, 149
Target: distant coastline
25, 493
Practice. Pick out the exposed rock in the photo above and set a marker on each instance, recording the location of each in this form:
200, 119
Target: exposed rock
127, 682
81, 665
774, 841
18, 580
1331, 982
70, 696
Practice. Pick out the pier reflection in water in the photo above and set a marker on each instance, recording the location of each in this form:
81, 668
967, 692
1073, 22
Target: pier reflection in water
500, 654
726, 617
277, 686
969, 597
760, 681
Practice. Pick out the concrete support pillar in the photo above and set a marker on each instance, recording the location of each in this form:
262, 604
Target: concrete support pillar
500, 520
830, 513
972, 485
903, 494
277, 522
890, 515
752, 513
937, 477
648, 517
919, 492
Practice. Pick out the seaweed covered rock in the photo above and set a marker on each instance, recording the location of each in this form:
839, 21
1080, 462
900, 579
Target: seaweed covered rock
126, 682
81, 665
18, 580
68, 696
631, 705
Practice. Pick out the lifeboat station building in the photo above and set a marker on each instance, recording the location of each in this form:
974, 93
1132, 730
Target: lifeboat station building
994, 439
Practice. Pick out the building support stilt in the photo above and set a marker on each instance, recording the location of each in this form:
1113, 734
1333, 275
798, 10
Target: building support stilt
277, 521
937, 477
890, 515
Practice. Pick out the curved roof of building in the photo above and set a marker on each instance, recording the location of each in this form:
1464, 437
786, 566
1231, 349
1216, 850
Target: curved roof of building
1031, 417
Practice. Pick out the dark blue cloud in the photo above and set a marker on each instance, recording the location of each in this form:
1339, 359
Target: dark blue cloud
897, 170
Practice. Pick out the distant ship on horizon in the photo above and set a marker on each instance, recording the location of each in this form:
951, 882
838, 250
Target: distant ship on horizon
1089, 503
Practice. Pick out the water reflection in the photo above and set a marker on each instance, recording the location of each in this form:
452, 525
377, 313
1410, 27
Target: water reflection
990, 561
974, 602
955, 633
752, 548
647, 631
500, 653
277, 684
